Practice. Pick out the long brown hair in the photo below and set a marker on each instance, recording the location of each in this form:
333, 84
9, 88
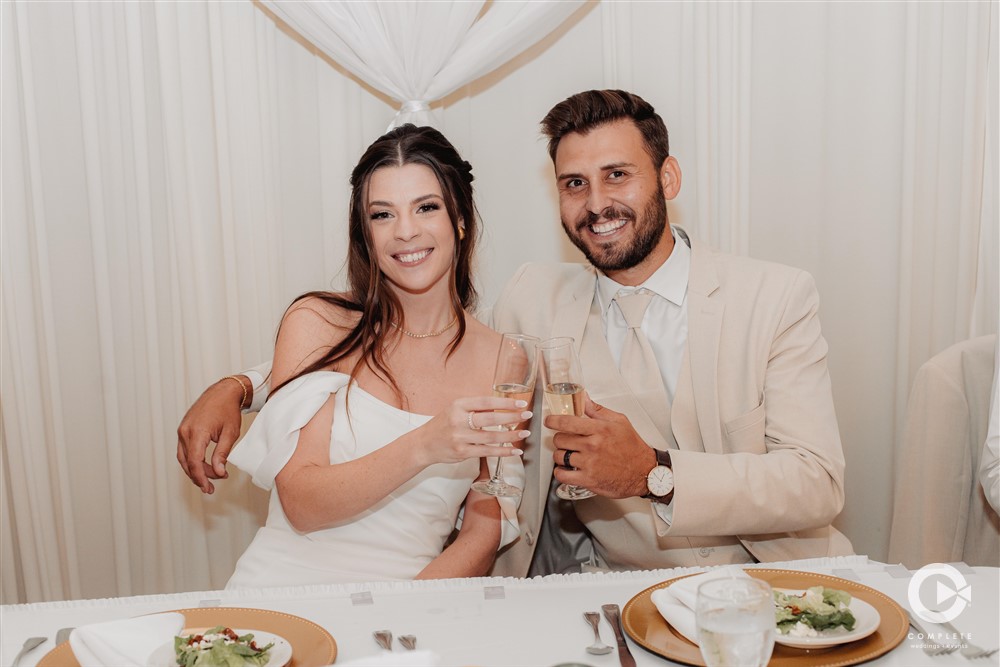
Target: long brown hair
369, 293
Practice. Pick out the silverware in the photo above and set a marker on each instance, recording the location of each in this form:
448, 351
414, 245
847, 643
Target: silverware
931, 647
63, 635
383, 638
30, 644
409, 642
598, 647
614, 616
968, 649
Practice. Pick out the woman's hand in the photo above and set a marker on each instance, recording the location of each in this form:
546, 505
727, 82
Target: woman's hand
460, 432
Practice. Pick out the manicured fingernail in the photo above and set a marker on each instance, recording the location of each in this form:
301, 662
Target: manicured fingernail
526, 414
521, 404
517, 452
523, 434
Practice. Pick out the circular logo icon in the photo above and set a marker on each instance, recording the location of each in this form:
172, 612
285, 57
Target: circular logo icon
934, 586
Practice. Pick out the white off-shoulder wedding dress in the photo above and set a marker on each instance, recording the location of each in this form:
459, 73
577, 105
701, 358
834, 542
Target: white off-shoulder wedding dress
392, 540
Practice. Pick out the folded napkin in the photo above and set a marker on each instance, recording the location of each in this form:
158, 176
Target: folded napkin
676, 602
124, 643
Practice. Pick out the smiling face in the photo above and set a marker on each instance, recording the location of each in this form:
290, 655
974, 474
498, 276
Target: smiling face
413, 239
612, 200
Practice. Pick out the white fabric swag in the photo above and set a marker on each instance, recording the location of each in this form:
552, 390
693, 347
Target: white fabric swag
419, 52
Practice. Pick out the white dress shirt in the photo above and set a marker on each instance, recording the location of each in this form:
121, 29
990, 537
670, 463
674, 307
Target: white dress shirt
665, 322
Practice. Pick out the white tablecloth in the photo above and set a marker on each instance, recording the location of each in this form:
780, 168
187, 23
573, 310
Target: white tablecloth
489, 622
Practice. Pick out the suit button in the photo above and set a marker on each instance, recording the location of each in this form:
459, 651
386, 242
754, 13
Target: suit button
705, 552
530, 537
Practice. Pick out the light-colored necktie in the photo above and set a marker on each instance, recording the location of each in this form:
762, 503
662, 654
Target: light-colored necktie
638, 364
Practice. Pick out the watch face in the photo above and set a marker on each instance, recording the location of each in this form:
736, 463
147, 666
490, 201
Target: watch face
660, 481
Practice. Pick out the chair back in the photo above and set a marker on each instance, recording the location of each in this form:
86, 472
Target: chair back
940, 513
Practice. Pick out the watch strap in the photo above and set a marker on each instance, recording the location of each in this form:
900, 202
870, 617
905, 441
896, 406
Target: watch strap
663, 458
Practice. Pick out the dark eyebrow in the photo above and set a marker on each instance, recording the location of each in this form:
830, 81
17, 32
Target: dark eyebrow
617, 165
421, 198
607, 167
425, 198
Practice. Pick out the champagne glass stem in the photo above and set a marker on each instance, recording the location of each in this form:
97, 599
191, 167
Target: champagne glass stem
497, 477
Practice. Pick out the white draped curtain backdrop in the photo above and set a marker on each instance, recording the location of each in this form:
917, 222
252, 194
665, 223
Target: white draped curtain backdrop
173, 174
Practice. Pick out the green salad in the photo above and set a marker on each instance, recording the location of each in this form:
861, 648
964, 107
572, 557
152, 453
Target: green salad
815, 610
220, 647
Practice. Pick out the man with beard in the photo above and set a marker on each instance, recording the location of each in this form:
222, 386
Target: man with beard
728, 450
717, 444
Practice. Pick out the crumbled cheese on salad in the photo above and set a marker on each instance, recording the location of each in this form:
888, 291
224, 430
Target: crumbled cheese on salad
800, 629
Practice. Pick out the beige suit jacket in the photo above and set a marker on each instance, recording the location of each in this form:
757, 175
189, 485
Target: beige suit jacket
759, 457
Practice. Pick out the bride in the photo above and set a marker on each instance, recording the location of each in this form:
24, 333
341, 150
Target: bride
373, 434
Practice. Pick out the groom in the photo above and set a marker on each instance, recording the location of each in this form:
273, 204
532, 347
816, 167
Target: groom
710, 435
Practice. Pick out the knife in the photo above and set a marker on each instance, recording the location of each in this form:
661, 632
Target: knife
614, 616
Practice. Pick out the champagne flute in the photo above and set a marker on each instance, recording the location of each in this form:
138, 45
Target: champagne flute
564, 393
514, 377
735, 620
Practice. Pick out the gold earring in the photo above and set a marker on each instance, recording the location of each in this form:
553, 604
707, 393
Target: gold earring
461, 233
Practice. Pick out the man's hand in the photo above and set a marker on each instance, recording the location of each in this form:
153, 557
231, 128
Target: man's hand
214, 417
609, 456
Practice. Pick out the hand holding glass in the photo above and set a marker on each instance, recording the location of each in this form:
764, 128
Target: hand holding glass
735, 618
514, 377
564, 393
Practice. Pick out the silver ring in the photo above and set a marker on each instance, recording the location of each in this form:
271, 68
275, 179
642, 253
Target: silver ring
566, 463
469, 422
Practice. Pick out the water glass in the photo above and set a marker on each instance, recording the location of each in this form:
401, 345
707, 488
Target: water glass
735, 617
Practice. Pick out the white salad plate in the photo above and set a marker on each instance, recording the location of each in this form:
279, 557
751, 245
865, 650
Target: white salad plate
280, 654
866, 621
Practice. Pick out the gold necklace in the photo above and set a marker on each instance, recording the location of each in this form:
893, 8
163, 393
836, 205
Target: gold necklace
426, 335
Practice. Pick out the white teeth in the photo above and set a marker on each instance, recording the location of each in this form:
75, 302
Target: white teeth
411, 257
607, 227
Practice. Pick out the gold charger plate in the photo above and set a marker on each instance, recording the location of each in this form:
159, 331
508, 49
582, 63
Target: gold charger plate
312, 646
644, 624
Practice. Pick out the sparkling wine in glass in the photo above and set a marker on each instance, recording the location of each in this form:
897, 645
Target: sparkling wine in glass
514, 377
564, 393
735, 619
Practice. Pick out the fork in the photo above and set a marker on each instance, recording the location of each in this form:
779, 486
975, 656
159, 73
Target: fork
969, 650
931, 647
